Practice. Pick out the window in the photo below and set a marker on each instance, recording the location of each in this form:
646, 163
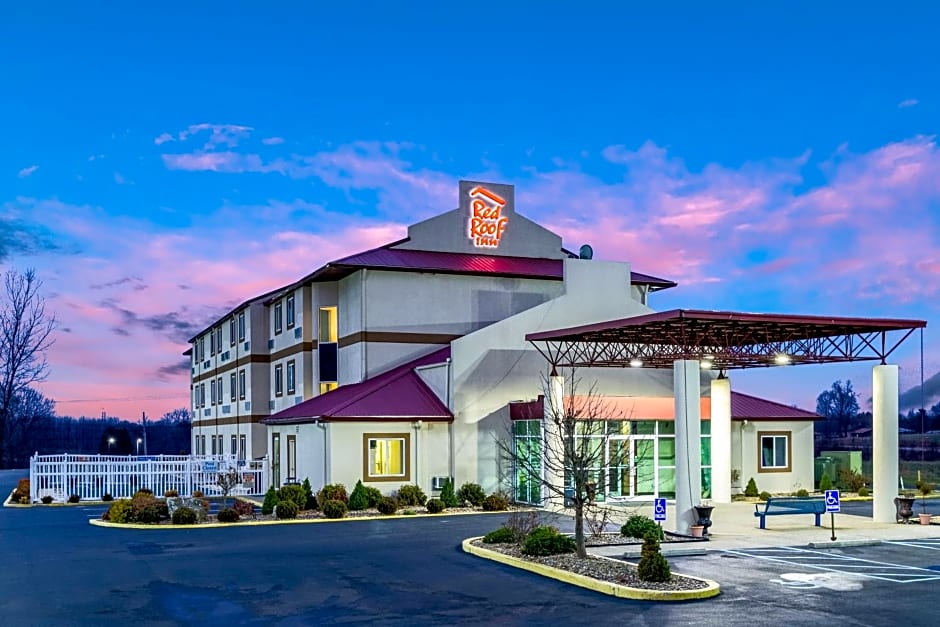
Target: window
328, 327
292, 458
234, 445
212, 390
218, 386
242, 446
202, 394
775, 451
276, 460
202, 348
231, 386
290, 311
218, 339
241, 326
231, 332
241, 384
385, 456
278, 380
195, 397
278, 317
326, 387
213, 446
290, 378
212, 343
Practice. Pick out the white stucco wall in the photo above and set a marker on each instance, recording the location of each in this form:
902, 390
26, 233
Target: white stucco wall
801, 475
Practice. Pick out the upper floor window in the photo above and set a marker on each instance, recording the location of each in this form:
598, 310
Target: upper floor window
231, 385
278, 380
231, 332
328, 326
218, 339
278, 317
212, 391
290, 311
202, 348
291, 377
241, 384
212, 343
241, 326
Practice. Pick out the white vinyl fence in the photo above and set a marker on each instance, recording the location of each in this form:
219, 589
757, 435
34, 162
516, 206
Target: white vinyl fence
92, 476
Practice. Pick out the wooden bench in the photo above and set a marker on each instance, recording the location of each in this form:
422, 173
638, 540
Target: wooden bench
785, 505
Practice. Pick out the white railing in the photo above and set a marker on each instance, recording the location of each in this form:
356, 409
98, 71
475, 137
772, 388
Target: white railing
92, 476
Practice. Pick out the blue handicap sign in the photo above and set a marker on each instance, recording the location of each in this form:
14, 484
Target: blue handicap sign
659, 509
832, 501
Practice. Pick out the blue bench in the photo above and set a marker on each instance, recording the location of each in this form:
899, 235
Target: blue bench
785, 505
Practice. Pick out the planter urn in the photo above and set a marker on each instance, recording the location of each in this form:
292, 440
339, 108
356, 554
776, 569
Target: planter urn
905, 508
925, 518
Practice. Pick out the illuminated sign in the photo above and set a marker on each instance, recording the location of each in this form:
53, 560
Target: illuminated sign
486, 222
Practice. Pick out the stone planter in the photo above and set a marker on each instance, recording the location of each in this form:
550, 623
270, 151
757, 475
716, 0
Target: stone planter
905, 508
704, 514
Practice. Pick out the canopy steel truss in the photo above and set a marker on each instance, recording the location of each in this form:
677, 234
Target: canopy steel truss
726, 340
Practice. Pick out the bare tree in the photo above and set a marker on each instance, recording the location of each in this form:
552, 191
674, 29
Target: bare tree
25, 336
569, 460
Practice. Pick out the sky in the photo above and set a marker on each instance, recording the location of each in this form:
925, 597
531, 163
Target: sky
161, 165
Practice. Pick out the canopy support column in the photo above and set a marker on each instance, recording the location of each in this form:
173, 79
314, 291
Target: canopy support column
884, 455
721, 440
688, 442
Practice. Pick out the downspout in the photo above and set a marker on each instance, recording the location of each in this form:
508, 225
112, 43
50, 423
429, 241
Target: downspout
326, 452
363, 366
452, 462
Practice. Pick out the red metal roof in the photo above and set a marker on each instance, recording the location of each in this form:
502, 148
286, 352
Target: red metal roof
747, 407
398, 394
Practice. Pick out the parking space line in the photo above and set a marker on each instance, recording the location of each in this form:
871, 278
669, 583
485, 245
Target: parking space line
883, 571
933, 545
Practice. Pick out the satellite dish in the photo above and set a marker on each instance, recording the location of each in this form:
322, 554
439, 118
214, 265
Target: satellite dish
586, 252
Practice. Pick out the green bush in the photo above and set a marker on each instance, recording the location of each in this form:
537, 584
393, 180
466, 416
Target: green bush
74, 498
121, 511
825, 483
387, 506
471, 493
294, 493
764, 495
851, 480
270, 501
411, 495
47, 500
198, 494
333, 509
332, 492
435, 506
286, 510
311, 503
448, 496
751, 489
802, 492
149, 510
373, 496
142, 492
653, 566
185, 516
863, 491
547, 541
495, 503
227, 515
503, 535
107, 497
358, 500
169, 494
637, 526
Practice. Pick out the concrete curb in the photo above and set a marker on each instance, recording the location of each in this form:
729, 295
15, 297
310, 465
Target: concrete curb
611, 589
97, 522
667, 552
841, 543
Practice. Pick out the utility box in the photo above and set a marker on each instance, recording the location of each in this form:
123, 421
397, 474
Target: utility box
850, 460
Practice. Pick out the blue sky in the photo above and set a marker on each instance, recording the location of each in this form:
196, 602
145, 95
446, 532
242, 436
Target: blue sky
777, 157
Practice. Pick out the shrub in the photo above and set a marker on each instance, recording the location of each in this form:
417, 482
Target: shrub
74, 498
47, 500
411, 495
638, 526
333, 509
471, 493
21, 491
121, 511
358, 500
387, 505
863, 491
764, 495
503, 535
171, 494
435, 506
751, 489
448, 497
293, 493
243, 508
148, 510
802, 492
227, 515
547, 541
332, 492
373, 496
107, 497
270, 501
851, 480
521, 524
198, 494
311, 503
184, 516
653, 566
495, 503
142, 492
825, 483
286, 510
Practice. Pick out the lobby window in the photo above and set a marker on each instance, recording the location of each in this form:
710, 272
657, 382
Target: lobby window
278, 317
328, 386
241, 326
775, 451
231, 385
290, 311
241, 384
291, 377
385, 456
278, 380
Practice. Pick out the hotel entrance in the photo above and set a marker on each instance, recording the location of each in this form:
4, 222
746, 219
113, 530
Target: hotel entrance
631, 467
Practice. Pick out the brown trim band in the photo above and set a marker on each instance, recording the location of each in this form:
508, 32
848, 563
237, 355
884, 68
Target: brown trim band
256, 358
395, 337
229, 420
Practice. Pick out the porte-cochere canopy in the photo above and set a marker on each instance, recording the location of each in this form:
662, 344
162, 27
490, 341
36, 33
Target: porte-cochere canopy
725, 339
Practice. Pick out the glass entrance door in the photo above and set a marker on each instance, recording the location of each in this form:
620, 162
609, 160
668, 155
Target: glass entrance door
631, 467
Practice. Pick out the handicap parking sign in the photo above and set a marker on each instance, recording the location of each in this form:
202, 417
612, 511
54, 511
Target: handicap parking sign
659, 509
832, 501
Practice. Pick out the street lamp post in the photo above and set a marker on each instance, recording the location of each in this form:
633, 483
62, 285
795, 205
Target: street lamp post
110, 443
139, 440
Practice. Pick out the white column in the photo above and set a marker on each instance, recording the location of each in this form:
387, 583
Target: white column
688, 442
721, 440
884, 455
552, 469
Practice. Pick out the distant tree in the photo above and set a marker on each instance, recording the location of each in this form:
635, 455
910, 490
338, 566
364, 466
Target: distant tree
839, 405
25, 336
28, 425
115, 441
177, 416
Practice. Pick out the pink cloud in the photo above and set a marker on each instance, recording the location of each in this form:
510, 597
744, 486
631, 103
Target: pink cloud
27, 171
